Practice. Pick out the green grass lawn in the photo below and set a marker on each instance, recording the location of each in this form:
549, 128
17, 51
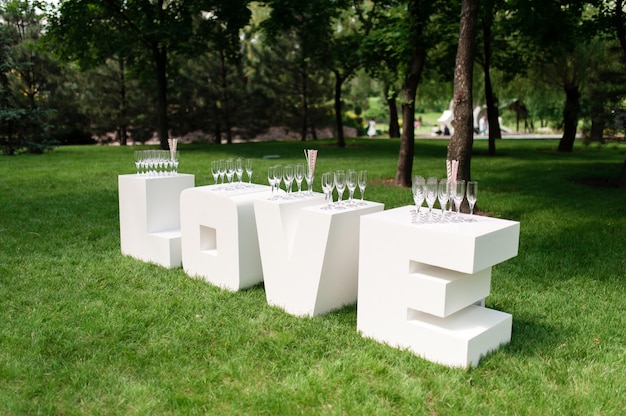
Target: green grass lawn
85, 330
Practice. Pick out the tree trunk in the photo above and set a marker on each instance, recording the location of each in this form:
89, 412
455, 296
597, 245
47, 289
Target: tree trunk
123, 131
341, 142
490, 98
409, 89
394, 126
596, 134
462, 140
621, 36
225, 99
217, 125
570, 117
304, 104
160, 61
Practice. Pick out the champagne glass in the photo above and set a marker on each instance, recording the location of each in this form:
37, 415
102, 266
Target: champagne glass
145, 161
239, 169
309, 180
159, 162
215, 170
288, 175
327, 187
249, 169
230, 170
137, 160
169, 163
270, 177
278, 177
299, 176
431, 194
472, 195
148, 163
154, 162
340, 183
458, 194
174, 163
351, 183
418, 193
164, 156
222, 170
362, 182
165, 162
444, 195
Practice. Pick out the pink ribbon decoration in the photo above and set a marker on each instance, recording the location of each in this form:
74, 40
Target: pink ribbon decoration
452, 169
173, 143
311, 159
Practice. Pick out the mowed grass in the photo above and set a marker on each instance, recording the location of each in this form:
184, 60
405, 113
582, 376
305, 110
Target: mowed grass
86, 330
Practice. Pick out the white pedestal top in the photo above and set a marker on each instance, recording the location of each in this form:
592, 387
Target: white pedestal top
467, 246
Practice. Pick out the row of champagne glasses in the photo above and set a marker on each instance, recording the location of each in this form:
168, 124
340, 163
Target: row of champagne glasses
340, 180
230, 169
156, 162
432, 190
289, 174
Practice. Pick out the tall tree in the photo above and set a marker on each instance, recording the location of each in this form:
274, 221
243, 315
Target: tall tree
461, 142
343, 62
418, 18
612, 19
23, 80
309, 26
556, 49
487, 16
141, 32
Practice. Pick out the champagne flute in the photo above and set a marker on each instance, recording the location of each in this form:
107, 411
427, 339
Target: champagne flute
472, 195
278, 177
249, 169
270, 177
239, 169
174, 163
444, 195
230, 170
340, 183
327, 187
149, 163
309, 180
288, 175
458, 194
418, 193
351, 183
160, 160
431, 194
299, 176
137, 160
215, 170
362, 182
222, 169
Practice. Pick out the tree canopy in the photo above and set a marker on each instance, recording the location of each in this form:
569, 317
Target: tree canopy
138, 68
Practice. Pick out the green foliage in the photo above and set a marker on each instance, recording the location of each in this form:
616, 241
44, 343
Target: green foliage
23, 116
86, 330
226, 75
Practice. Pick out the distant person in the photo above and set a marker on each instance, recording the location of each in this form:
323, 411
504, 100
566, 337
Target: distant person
482, 125
371, 131
419, 122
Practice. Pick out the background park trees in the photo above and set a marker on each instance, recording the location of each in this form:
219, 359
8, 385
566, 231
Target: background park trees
137, 68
